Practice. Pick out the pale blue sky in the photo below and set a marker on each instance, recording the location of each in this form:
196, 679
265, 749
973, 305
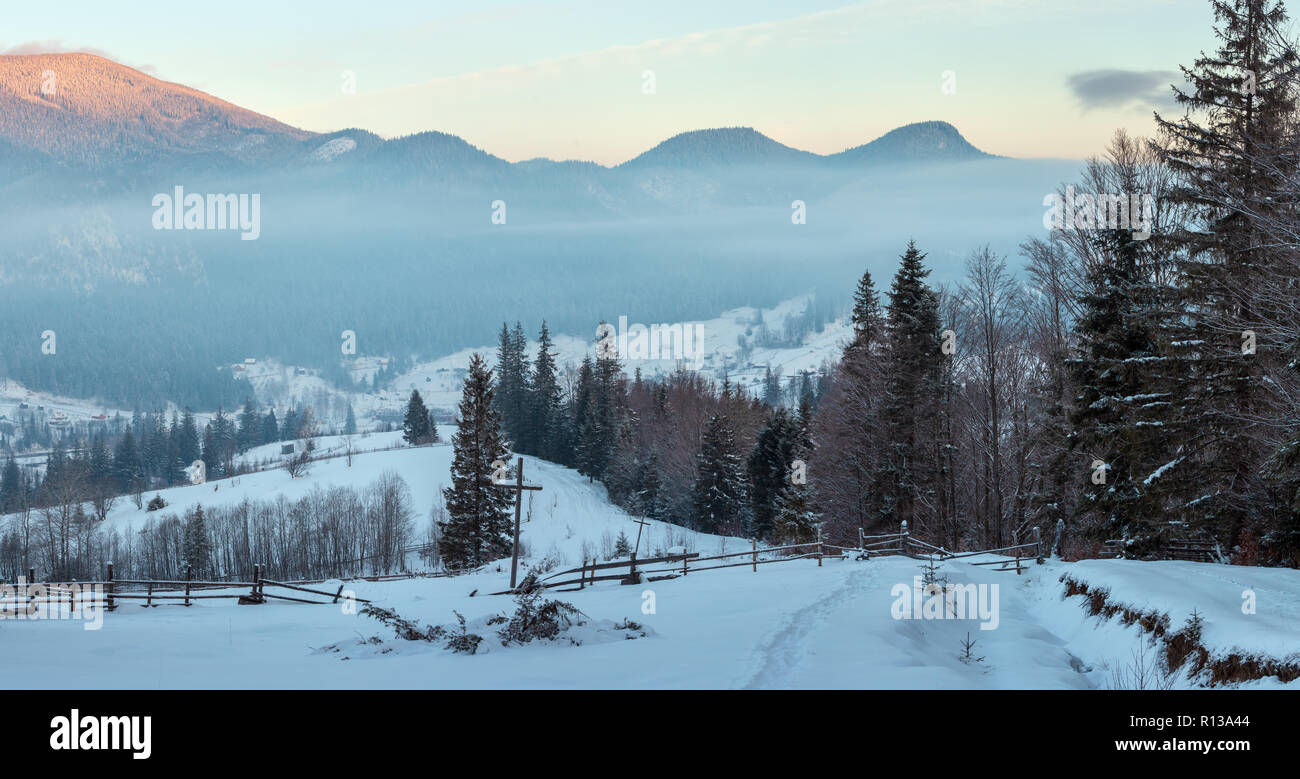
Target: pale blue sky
565, 79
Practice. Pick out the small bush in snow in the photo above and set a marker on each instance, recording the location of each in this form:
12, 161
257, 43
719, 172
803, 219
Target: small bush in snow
462, 641
404, 628
967, 645
621, 546
156, 503
537, 618
1146, 671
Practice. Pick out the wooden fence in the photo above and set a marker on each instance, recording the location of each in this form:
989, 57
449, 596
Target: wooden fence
633, 570
156, 592
904, 543
1191, 550
182, 592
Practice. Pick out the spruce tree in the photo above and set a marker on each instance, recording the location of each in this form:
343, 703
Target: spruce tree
223, 441
794, 520
721, 500
270, 428
417, 428
1234, 155
649, 498
1130, 430
847, 491
250, 427
126, 463
622, 547
197, 543
10, 486
544, 402
289, 426
768, 468
585, 453
477, 529
211, 456
911, 393
512, 386
188, 439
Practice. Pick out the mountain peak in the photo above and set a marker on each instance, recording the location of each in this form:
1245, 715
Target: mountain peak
89, 111
920, 141
718, 146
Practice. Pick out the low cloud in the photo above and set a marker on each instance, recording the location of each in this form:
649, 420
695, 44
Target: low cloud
1123, 88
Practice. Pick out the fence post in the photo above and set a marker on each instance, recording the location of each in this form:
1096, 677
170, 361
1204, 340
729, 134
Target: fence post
582, 574
254, 595
862, 542
684, 558
31, 599
902, 538
754, 542
820, 550
337, 594
111, 604
148, 601
1038, 541
189, 574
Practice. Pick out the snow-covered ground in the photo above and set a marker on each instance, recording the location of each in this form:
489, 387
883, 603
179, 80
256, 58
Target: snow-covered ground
570, 517
788, 625
1247, 609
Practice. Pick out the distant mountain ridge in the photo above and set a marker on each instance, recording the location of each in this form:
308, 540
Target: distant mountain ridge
85, 111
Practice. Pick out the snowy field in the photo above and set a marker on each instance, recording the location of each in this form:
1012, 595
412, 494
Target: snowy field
788, 625
568, 517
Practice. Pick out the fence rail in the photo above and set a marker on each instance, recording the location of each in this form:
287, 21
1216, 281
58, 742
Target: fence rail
678, 565
905, 544
187, 590
108, 591
1191, 550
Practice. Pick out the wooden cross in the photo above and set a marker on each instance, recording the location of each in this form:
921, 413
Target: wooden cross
518, 488
632, 569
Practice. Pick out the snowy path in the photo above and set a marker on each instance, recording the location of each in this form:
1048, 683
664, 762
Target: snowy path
782, 653
849, 638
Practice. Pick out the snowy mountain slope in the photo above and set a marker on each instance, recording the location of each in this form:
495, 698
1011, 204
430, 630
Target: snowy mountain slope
721, 356
569, 519
732, 348
61, 413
